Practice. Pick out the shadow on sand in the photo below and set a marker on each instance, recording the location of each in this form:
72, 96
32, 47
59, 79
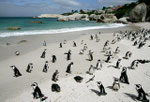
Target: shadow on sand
96, 92
132, 96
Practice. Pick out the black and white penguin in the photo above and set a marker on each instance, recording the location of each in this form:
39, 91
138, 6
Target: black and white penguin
55, 76
118, 63
43, 54
16, 71
108, 59
68, 55
37, 93
141, 93
101, 87
116, 85
69, 67
60, 45
117, 50
134, 64
91, 70
29, 67
17, 53
91, 37
124, 77
45, 68
44, 43
54, 58
98, 65
90, 55
74, 44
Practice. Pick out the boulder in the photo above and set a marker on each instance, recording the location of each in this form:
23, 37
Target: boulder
14, 28
106, 18
148, 13
93, 17
78, 79
123, 20
138, 14
75, 16
49, 16
55, 88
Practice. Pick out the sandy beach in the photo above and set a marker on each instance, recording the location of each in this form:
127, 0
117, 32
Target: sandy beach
31, 47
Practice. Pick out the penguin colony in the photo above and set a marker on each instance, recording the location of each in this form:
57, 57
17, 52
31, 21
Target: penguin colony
138, 38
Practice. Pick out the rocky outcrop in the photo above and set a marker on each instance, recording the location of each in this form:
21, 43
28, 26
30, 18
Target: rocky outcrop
14, 28
73, 17
50, 16
138, 14
123, 20
148, 13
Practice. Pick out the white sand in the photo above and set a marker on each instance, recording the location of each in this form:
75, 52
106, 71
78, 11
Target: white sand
19, 90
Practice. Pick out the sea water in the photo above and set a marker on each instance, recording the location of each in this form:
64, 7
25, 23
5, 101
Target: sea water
48, 26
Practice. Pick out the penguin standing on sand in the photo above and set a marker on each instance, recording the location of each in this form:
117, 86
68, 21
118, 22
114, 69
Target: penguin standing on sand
124, 77
141, 93
60, 45
16, 71
29, 68
74, 44
68, 55
98, 65
108, 59
101, 87
117, 50
44, 43
91, 70
90, 55
55, 76
43, 54
45, 68
91, 37
134, 64
85, 47
37, 92
54, 58
116, 85
69, 67
118, 63
127, 55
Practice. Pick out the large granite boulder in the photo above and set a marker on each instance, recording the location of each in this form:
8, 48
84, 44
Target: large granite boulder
75, 16
106, 18
138, 14
148, 13
93, 17
123, 20
14, 28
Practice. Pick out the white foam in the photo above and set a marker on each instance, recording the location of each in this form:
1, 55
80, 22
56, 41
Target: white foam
54, 31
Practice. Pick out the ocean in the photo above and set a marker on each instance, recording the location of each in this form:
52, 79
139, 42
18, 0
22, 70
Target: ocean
49, 26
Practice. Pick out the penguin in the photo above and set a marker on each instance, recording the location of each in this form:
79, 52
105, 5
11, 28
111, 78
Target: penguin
85, 47
82, 42
69, 67
91, 70
74, 44
134, 64
98, 65
81, 52
43, 54
124, 77
60, 45
44, 43
90, 55
54, 58
17, 53
37, 93
106, 43
16, 71
117, 50
45, 68
127, 55
91, 37
116, 85
55, 76
141, 93
117, 64
68, 55
29, 68
65, 41
108, 59
101, 87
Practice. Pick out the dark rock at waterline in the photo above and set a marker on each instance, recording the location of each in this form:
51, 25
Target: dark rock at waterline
14, 28
35, 22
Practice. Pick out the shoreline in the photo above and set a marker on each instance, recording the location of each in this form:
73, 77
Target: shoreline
32, 54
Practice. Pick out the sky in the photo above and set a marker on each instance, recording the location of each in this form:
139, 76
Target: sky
37, 7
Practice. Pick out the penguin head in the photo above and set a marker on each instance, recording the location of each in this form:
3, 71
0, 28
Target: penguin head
13, 66
34, 84
46, 61
138, 86
99, 82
